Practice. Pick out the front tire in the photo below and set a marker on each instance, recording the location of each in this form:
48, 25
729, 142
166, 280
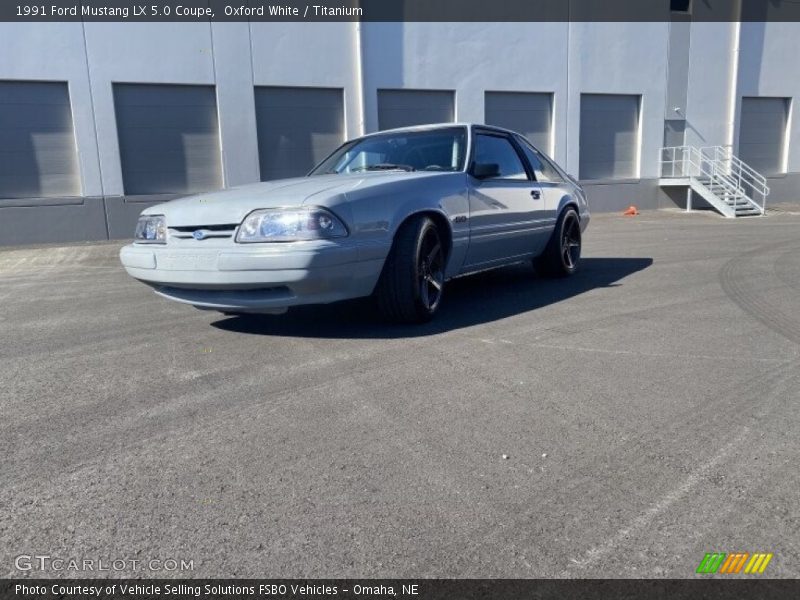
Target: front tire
563, 252
412, 282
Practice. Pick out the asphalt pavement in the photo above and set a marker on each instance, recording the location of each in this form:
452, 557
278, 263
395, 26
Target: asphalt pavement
621, 423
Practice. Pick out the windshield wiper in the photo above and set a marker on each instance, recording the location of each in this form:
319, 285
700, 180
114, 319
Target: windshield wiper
383, 167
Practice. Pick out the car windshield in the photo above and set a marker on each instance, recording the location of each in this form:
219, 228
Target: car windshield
429, 150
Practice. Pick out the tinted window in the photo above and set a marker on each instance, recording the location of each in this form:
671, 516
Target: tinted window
542, 167
496, 149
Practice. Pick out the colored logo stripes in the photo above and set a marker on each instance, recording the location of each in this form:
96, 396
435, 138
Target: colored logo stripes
720, 562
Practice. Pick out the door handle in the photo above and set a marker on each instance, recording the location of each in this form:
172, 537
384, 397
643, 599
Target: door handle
536, 194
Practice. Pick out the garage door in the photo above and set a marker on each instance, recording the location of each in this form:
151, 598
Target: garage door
297, 128
168, 138
403, 108
528, 113
38, 157
762, 132
609, 136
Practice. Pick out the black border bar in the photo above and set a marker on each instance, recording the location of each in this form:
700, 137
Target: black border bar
398, 10
426, 589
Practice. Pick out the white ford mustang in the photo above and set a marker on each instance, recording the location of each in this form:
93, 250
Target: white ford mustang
395, 214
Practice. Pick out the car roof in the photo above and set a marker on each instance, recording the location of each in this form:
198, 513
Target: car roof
432, 126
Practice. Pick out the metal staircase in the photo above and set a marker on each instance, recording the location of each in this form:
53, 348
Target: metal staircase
729, 185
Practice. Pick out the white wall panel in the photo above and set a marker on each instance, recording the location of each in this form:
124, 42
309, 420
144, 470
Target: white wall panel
55, 52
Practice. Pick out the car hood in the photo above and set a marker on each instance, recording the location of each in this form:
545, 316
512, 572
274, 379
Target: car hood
232, 205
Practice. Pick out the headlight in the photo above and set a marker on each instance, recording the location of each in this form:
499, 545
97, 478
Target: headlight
290, 225
151, 229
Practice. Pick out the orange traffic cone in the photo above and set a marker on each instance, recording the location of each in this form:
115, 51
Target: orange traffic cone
631, 211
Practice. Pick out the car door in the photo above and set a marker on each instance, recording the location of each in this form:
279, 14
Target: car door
552, 184
507, 208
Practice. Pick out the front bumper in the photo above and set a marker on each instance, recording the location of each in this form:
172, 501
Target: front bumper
255, 278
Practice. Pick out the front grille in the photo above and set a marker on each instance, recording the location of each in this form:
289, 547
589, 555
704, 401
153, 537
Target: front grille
191, 228
210, 231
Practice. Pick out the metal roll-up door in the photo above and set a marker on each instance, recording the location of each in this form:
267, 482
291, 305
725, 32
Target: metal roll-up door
527, 113
609, 136
38, 156
297, 128
403, 108
762, 133
168, 138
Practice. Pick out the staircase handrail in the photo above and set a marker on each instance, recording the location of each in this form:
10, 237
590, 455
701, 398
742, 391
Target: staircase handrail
754, 179
695, 158
727, 154
721, 167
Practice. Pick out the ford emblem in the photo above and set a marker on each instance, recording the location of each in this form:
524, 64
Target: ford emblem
199, 234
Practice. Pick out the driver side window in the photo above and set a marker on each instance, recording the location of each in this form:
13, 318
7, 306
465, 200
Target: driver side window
498, 150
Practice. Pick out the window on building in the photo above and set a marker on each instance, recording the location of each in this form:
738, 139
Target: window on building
762, 133
38, 157
609, 136
168, 138
297, 128
527, 113
403, 108
497, 149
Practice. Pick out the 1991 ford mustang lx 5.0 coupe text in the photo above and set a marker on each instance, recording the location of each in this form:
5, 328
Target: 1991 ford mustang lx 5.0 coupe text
395, 214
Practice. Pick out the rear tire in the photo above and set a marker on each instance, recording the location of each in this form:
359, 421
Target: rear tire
562, 254
412, 282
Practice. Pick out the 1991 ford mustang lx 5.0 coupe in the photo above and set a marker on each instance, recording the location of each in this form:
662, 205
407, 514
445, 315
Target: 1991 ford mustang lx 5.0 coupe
395, 214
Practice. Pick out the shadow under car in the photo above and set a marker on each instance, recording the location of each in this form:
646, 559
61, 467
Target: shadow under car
468, 301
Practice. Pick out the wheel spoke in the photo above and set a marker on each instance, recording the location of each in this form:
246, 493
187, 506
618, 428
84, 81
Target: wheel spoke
433, 254
431, 270
425, 294
570, 243
434, 283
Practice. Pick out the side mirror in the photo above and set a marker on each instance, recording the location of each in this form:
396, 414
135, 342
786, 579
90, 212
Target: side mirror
485, 170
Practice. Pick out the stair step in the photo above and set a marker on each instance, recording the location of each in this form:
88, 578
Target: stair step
716, 172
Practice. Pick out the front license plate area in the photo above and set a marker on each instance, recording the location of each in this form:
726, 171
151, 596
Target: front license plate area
186, 262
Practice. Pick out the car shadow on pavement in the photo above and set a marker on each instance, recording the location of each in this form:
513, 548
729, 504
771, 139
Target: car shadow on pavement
468, 301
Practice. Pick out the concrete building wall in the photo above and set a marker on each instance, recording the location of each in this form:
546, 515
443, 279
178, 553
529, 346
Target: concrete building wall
768, 66
703, 68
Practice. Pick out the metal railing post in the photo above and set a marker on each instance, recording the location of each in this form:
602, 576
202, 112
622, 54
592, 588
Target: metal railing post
724, 173
673, 161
